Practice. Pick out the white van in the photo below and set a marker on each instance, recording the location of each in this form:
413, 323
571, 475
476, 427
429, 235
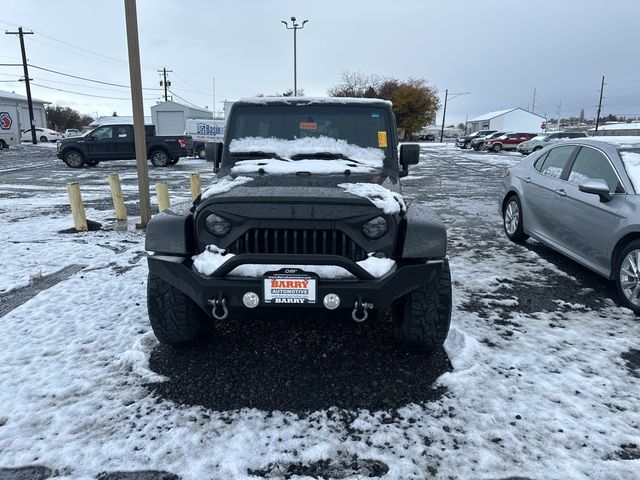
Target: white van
203, 131
9, 127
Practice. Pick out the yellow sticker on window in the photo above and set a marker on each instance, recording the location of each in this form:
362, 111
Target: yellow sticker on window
382, 139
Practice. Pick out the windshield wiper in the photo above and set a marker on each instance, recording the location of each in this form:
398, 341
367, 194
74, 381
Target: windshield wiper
322, 155
258, 154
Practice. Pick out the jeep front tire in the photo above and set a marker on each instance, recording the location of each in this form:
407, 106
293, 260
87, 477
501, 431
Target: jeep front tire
174, 317
421, 319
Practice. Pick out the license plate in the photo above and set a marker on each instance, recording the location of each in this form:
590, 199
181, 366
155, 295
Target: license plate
291, 286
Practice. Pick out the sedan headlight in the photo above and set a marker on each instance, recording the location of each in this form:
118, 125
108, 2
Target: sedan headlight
217, 225
375, 228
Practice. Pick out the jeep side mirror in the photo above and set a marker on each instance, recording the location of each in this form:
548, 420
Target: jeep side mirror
213, 153
409, 155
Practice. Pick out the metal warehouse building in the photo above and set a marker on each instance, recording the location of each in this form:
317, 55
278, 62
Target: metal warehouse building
170, 117
512, 120
10, 99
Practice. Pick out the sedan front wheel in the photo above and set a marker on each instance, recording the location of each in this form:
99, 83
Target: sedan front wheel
628, 276
512, 220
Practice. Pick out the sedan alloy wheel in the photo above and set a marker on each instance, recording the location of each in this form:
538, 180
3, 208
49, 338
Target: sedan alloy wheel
512, 219
630, 277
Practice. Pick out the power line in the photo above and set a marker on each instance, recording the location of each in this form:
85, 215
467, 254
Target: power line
85, 94
107, 57
87, 79
184, 100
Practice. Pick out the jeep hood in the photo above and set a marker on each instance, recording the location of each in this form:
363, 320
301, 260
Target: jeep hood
364, 190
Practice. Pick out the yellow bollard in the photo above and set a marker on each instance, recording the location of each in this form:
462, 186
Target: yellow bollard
77, 208
195, 185
118, 199
162, 192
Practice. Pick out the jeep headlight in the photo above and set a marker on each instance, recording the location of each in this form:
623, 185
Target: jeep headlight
375, 228
217, 225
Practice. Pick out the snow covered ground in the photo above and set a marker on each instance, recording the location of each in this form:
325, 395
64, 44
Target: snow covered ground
544, 382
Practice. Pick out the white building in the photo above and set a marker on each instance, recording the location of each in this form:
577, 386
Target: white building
170, 118
512, 120
11, 99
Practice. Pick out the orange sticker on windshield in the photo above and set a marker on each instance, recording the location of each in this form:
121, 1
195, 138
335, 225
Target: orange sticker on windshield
382, 139
308, 126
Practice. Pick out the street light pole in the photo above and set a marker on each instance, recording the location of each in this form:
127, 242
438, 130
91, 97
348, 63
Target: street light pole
295, 27
444, 113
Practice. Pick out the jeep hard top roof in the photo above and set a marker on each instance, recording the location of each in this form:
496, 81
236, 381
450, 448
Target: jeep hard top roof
312, 101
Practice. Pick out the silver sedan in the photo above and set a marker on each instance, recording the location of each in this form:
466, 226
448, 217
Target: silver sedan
581, 198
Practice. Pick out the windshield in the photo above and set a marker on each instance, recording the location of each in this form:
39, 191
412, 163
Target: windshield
359, 135
362, 126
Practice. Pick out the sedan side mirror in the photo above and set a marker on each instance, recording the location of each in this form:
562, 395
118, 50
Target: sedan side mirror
596, 187
213, 153
409, 155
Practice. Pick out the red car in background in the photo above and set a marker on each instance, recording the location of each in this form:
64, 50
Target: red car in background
508, 141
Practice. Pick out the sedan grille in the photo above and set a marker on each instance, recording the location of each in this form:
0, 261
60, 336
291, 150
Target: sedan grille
298, 241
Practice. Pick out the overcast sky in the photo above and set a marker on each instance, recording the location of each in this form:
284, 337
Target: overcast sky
498, 50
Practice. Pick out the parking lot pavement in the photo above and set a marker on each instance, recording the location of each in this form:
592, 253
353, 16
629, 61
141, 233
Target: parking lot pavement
539, 378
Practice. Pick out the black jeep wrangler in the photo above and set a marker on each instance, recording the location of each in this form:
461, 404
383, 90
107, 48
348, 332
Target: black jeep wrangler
306, 213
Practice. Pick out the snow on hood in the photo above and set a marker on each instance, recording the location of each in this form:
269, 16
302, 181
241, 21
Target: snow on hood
361, 160
224, 185
390, 202
213, 257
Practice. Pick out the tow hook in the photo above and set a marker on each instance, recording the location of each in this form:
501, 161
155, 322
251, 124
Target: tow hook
359, 313
217, 304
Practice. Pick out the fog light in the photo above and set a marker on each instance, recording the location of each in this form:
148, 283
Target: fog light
331, 301
251, 300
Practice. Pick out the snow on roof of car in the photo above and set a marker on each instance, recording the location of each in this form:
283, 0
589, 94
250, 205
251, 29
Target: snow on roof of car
631, 162
313, 100
618, 141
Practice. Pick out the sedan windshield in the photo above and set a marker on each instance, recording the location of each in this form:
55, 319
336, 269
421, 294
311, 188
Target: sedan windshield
540, 137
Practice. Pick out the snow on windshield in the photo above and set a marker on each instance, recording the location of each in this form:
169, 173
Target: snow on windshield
213, 257
224, 185
366, 159
631, 162
390, 202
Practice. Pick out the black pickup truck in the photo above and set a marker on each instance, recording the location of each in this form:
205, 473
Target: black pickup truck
306, 214
115, 142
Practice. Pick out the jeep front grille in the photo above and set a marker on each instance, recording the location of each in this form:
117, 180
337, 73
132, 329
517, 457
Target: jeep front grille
298, 241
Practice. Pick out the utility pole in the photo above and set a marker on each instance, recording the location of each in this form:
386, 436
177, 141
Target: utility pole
166, 84
21, 34
599, 104
131, 19
533, 105
214, 97
295, 27
444, 113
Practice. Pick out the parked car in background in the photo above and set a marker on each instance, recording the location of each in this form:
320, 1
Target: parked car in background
581, 198
43, 135
71, 132
423, 137
463, 142
508, 141
478, 142
543, 139
115, 142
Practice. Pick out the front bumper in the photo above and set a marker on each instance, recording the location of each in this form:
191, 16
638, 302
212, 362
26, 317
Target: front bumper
381, 292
